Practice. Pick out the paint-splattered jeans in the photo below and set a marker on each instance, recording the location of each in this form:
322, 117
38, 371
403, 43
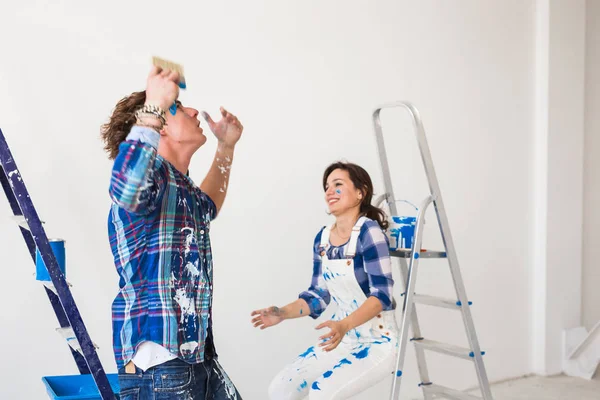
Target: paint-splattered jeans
336, 375
177, 380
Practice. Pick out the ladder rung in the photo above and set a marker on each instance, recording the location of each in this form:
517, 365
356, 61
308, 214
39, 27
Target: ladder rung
72, 341
436, 301
441, 392
444, 348
407, 253
50, 286
21, 221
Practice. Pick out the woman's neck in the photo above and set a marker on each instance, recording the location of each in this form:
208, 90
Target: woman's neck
345, 222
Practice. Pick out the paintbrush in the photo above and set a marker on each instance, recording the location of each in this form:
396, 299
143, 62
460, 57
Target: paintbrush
171, 66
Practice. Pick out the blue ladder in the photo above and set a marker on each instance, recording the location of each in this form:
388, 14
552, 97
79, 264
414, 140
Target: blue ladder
62, 302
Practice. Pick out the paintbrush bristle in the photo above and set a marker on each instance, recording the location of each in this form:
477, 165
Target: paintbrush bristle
166, 64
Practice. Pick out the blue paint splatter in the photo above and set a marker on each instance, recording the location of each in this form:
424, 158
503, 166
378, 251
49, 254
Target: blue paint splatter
315, 386
338, 191
344, 361
300, 311
307, 352
315, 304
362, 354
327, 374
386, 338
302, 386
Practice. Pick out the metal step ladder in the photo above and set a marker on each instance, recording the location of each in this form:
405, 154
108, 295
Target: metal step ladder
409, 271
59, 294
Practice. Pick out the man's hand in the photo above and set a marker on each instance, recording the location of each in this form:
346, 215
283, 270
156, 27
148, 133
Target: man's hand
228, 130
267, 317
162, 88
332, 339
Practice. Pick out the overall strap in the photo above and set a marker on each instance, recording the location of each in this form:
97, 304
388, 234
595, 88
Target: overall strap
351, 251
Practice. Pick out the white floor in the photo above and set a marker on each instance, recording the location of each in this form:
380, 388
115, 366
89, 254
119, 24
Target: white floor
559, 387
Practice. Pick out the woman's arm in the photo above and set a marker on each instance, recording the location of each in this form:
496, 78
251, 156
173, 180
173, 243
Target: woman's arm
273, 315
310, 302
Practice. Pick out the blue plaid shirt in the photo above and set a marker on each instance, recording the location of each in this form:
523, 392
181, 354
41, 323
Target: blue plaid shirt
158, 229
372, 268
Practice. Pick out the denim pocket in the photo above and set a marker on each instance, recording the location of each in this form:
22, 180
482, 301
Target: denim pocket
130, 394
172, 381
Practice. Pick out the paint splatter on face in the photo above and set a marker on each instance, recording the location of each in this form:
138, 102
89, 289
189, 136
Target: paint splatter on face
340, 193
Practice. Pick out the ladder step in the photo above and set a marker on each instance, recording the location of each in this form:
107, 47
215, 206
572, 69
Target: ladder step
444, 348
50, 286
21, 221
407, 253
441, 392
437, 301
72, 341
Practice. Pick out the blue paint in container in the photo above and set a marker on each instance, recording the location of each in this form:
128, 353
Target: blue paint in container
58, 248
401, 232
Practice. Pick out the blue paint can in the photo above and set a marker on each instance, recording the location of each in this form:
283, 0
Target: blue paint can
401, 232
58, 248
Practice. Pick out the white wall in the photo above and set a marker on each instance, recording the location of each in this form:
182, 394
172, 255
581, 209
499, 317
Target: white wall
303, 77
558, 178
591, 216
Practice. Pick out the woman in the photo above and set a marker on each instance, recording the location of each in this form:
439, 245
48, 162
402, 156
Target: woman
351, 266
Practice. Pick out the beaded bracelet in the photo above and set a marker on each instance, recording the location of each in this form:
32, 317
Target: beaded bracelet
150, 110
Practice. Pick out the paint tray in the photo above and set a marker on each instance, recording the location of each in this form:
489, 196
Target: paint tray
77, 387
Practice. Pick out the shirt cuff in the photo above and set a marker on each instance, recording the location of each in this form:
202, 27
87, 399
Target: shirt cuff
144, 135
383, 298
314, 305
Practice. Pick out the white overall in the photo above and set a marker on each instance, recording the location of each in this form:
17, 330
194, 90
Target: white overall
366, 354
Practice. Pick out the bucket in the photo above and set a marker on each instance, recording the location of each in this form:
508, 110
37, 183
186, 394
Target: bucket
77, 387
401, 232
58, 248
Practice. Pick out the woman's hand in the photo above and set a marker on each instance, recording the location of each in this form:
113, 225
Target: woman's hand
267, 317
332, 339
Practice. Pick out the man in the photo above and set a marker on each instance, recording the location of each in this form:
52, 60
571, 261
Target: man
158, 227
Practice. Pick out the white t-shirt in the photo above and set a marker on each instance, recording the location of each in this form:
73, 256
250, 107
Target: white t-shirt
150, 354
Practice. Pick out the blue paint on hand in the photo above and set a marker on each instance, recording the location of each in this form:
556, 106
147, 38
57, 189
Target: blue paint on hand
362, 354
173, 109
327, 374
182, 85
315, 386
300, 311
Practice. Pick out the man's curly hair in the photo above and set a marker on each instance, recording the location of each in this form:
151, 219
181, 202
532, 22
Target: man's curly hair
115, 131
